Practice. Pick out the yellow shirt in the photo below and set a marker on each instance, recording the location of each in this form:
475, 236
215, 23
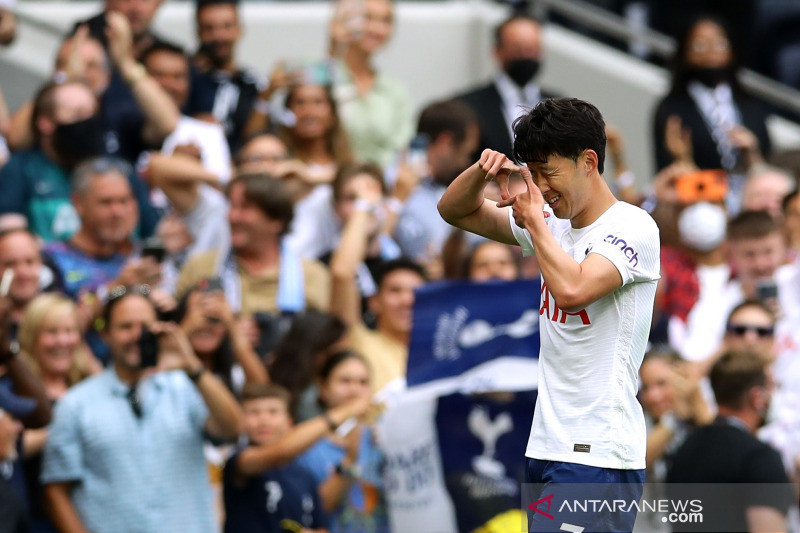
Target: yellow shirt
260, 290
387, 358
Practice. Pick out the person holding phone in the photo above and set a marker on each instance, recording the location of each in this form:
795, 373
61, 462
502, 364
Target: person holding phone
376, 109
143, 428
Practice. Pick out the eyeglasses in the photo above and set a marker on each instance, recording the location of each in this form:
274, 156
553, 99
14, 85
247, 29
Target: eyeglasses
740, 329
714, 46
123, 290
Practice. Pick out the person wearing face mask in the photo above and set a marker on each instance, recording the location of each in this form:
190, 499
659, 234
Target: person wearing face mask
518, 52
68, 129
742, 387
724, 126
693, 275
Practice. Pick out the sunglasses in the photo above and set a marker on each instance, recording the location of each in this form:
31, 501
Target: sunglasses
121, 290
740, 329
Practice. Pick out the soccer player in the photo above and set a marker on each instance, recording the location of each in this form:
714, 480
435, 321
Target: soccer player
599, 259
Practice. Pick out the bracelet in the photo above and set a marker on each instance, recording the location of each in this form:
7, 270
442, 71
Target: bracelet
137, 74
331, 424
394, 204
196, 374
350, 472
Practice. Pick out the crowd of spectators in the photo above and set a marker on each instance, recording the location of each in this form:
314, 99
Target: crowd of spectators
206, 278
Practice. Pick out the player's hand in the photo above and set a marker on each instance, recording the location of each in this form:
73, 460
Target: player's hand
528, 206
498, 168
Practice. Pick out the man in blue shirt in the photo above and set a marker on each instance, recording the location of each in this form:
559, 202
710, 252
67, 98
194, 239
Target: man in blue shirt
125, 449
266, 489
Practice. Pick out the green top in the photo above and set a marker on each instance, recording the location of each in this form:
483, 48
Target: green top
380, 123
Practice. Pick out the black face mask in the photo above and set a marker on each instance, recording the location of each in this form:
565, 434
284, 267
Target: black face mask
522, 70
710, 76
79, 140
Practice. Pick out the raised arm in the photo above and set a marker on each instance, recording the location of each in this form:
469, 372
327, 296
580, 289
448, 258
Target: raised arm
464, 206
180, 177
160, 112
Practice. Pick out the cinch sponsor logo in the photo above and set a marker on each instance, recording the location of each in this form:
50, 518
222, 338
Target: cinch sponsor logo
558, 314
629, 252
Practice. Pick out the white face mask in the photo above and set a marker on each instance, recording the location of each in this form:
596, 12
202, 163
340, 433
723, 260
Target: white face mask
702, 226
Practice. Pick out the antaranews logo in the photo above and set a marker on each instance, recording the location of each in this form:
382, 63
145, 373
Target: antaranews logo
671, 510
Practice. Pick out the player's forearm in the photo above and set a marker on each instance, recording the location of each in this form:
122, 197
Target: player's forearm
464, 196
560, 271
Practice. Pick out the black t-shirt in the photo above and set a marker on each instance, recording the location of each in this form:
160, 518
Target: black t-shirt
262, 502
13, 516
229, 98
747, 470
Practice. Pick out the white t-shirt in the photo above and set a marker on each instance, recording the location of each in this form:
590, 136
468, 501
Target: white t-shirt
587, 411
210, 138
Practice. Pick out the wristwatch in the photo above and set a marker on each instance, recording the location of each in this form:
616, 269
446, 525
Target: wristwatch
348, 471
194, 375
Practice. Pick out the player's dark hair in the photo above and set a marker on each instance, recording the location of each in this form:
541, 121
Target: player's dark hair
734, 374
751, 224
450, 116
564, 127
517, 17
401, 263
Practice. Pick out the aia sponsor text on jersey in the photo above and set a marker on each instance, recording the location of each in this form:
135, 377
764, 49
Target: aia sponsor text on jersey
549, 306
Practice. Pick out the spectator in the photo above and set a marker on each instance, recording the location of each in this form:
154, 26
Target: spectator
453, 133
693, 280
266, 469
8, 22
135, 113
169, 66
386, 347
298, 357
12, 505
518, 53
218, 339
375, 109
51, 344
316, 138
790, 211
751, 327
261, 277
139, 16
97, 256
347, 465
756, 251
765, 189
20, 252
35, 182
673, 404
705, 101
742, 388
111, 415
261, 154
221, 87
492, 260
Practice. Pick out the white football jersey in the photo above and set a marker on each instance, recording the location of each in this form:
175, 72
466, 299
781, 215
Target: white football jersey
587, 411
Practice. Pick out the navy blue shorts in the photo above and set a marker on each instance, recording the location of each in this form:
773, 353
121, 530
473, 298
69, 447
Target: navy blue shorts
579, 498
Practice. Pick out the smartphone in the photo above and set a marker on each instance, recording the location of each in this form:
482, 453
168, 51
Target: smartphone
766, 290
5, 283
702, 186
148, 349
153, 247
417, 155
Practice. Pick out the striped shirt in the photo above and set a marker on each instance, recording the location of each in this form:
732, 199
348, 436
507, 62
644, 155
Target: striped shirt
133, 474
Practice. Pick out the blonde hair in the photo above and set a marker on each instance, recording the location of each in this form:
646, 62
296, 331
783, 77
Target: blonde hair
33, 319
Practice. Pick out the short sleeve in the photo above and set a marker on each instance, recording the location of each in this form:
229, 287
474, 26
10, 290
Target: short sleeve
633, 246
521, 234
63, 453
197, 409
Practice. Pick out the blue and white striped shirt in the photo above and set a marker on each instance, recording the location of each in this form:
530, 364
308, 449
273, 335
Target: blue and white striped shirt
133, 474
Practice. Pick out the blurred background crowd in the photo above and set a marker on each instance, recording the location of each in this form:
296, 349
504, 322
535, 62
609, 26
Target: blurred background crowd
195, 254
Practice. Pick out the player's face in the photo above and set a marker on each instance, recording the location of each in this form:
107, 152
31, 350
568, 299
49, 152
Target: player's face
564, 185
394, 302
266, 420
348, 381
657, 394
